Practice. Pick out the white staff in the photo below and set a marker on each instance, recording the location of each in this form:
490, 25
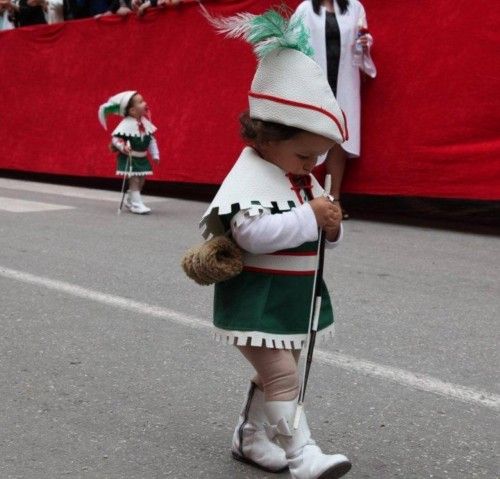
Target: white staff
315, 311
128, 167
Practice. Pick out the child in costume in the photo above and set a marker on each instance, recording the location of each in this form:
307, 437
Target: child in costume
132, 139
272, 207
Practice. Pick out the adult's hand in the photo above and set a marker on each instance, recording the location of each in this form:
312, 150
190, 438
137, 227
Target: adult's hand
37, 3
136, 4
365, 41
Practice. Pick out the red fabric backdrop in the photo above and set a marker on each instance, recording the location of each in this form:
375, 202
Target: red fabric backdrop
430, 120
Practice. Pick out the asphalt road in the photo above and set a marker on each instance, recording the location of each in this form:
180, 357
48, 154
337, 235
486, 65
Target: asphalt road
108, 370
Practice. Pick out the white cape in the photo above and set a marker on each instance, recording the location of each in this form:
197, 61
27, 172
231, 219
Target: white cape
129, 127
252, 180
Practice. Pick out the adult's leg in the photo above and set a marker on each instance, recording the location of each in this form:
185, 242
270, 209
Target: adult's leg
335, 166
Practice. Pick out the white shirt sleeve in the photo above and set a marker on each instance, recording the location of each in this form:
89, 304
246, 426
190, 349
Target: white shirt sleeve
268, 233
333, 244
153, 148
118, 143
55, 12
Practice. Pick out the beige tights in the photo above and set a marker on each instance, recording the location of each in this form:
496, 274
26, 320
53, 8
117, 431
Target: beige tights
277, 371
136, 183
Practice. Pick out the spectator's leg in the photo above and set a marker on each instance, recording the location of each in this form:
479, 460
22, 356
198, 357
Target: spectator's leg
335, 166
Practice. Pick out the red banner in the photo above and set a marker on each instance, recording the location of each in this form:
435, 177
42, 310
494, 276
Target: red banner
430, 120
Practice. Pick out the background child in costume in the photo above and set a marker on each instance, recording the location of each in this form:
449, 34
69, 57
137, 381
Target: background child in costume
132, 139
273, 206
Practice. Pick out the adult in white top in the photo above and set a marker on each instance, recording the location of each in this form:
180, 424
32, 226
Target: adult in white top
337, 27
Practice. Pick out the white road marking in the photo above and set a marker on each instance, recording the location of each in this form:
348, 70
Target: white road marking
15, 205
70, 191
420, 382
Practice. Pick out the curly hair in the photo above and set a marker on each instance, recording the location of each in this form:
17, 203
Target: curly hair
260, 131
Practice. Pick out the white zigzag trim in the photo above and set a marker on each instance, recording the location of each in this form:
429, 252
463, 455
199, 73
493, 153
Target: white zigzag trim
129, 127
269, 340
134, 173
250, 209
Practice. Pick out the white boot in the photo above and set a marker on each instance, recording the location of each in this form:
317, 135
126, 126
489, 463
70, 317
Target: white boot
136, 204
144, 207
305, 459
250, 442
128, 200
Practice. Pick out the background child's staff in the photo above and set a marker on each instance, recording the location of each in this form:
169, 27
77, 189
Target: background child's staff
129, 169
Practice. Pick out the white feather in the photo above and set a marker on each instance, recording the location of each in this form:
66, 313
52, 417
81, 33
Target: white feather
237, 26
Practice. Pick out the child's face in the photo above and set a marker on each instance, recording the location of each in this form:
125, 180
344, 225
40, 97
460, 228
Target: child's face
299, 154
139, 106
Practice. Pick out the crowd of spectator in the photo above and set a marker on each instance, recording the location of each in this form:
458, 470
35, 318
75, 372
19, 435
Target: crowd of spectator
20, 13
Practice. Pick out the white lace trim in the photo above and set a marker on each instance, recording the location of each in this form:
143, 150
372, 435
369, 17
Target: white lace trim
269, 340
134, 173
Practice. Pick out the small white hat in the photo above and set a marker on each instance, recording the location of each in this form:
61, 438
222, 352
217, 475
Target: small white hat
116, 105
290, 88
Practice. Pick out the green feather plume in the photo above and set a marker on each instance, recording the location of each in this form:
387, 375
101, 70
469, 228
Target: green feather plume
265, 32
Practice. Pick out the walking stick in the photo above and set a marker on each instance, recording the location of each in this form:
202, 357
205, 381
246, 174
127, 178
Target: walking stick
128, 167
314, 312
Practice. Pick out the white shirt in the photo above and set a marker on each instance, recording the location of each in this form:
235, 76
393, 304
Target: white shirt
268, 233
55, 12
5, 23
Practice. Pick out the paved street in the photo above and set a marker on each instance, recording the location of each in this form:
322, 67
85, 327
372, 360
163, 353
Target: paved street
108, 370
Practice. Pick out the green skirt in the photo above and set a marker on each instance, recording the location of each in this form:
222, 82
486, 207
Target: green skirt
261, 309
140, 166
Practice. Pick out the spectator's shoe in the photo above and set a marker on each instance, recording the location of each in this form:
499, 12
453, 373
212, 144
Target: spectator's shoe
250, 442
345, 214
305, 459
136, 204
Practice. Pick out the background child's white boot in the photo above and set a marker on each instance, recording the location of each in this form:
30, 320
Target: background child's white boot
250, 442
128, 200
305, 459
136, 204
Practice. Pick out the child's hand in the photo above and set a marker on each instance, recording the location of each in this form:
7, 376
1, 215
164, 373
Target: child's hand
328, 215
127, 148
332, 230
